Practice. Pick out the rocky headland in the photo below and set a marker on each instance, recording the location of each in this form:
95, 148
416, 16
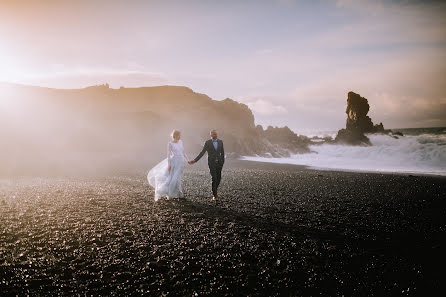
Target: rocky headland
48, 128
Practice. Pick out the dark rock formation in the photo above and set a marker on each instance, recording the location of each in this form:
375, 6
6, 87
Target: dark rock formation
357, 109
358, 123
283, 140
352, 136
287, 139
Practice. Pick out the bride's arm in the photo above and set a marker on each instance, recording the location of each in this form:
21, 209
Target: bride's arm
185, 156
184, 153
169, 154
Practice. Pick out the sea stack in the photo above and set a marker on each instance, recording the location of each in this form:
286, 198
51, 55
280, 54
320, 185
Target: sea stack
358, 123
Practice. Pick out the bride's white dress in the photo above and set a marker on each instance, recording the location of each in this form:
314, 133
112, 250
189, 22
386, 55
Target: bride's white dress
168, 183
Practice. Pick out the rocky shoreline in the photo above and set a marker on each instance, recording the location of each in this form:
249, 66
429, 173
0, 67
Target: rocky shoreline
278, 230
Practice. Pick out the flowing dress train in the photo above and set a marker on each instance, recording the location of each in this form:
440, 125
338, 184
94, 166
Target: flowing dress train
168, 183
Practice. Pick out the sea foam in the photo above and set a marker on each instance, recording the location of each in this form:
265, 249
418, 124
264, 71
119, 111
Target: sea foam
425, 153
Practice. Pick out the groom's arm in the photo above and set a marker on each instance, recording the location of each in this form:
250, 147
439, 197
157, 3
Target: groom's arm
223, 152
201, 153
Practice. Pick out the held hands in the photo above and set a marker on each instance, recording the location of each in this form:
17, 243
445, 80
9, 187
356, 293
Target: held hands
191, 162
168, 168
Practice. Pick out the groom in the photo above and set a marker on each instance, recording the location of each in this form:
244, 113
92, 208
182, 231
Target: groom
216, 159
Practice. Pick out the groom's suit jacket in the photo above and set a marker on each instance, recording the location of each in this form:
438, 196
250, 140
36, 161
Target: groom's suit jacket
215, 156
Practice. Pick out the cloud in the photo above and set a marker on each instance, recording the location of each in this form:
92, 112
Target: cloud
86, 76
286, 3
385, 23
263, 106
360, 4
367, 6
264, 51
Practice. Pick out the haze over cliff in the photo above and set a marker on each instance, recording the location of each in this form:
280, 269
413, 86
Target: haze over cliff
58, 129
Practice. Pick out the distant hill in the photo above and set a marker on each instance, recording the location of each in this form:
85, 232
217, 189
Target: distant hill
59, 126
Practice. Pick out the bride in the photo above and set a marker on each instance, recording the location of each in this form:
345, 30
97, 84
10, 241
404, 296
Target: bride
166, 176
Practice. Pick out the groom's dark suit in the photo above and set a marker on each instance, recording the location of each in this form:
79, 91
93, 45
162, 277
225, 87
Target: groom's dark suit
216, 159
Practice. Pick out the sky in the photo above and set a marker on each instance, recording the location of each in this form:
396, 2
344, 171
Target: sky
291, 61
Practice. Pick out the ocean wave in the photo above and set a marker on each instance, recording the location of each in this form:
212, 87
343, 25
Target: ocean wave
317, 133
409, 154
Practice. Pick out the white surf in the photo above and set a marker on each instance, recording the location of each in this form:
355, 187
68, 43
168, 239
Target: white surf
425, 154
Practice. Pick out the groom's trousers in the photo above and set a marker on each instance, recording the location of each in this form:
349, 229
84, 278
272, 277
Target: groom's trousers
215, 170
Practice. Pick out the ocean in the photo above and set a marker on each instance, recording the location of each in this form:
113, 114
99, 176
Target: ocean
419, 151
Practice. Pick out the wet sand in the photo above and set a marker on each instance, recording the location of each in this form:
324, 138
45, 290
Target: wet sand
278, 230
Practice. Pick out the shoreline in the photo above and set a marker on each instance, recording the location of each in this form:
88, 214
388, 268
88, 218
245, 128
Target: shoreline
324, 169
137, 171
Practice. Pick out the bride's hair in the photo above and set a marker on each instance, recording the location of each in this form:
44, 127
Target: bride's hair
175, 134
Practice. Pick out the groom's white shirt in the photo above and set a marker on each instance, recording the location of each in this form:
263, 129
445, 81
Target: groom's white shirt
215, 142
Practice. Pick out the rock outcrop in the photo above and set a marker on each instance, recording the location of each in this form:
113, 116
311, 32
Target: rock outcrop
285, 139
358, 123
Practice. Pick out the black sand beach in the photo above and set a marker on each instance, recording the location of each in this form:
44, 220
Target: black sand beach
278, 230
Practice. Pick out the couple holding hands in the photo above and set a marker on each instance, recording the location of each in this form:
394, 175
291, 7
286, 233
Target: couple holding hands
167, 176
